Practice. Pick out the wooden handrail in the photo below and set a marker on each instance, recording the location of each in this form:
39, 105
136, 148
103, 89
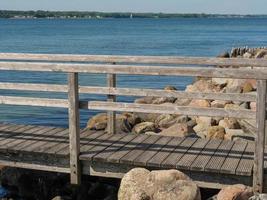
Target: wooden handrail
168, 109
209, 72
239, 62
129, 92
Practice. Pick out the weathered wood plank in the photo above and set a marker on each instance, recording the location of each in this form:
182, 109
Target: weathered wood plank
74, 128
218, 158
104, 155
232, 160
245, 166
116, 157
10, 134
156, 160
149, 153
168, 109
111, 123
34, 143
172, 160
186, 161
139, 149
128, 91
166, 93
258, 172
27, 138
136, 59
101, 146
243, 73
86, 139
29, 101
203, 158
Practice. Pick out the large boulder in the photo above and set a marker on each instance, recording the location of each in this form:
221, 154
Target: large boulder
97, 122
122, 126
144, 127
261, 53
237, 135
200, 103
235, 85
219, 103
140, 184
178, 130
132, 118
235, 192
201, 129
167, 120
247, 87
230, 123
131, 187
216, 132
203, 86
147, 117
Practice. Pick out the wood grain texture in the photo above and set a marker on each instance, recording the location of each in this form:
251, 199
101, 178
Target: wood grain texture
258, 172
111, 123
167, 109
136, 59
128, 91
74, 128
208, 72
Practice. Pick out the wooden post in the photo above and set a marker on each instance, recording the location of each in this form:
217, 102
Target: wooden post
74, 128
111, 82
258, 172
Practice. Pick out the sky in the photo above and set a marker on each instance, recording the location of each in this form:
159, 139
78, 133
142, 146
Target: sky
166, 6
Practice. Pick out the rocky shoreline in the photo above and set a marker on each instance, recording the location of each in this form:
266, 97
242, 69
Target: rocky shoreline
194, 126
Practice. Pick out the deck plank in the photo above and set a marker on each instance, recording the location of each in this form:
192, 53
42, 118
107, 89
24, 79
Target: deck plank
86, 139
40, 139
231, 162
172, 160
140, 148
102, 146
116, 156
186, 161
245, 165
149, 153
156, 160
218, 158
203, 158
28, 139
10, 134
103, 155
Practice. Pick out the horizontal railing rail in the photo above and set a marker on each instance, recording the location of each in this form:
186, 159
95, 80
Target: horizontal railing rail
239, 62
243, 73
139, 65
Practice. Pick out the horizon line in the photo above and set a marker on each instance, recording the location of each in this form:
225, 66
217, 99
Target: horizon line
133, 12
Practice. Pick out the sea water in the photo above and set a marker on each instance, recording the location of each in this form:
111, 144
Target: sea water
172, 37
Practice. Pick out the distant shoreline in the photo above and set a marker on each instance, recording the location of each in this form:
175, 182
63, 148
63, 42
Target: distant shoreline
10, 14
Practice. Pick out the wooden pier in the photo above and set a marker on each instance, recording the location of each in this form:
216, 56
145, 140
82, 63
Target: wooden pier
211, 163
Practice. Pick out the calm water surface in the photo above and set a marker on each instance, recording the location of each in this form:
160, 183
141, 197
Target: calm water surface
184, 37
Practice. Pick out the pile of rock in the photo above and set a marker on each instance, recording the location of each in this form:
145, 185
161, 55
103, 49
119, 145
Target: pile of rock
141, 184
193, 126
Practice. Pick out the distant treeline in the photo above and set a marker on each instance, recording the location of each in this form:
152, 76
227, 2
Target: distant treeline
88, 15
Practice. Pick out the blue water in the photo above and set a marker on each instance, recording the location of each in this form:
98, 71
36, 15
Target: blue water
184, 37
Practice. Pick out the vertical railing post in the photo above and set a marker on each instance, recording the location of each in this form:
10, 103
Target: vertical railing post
74, 128
111, 124
258, 172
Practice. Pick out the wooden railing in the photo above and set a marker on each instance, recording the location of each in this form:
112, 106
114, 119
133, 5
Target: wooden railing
139, 65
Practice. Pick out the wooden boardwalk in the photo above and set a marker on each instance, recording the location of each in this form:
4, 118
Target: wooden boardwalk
47, 148
212, 163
